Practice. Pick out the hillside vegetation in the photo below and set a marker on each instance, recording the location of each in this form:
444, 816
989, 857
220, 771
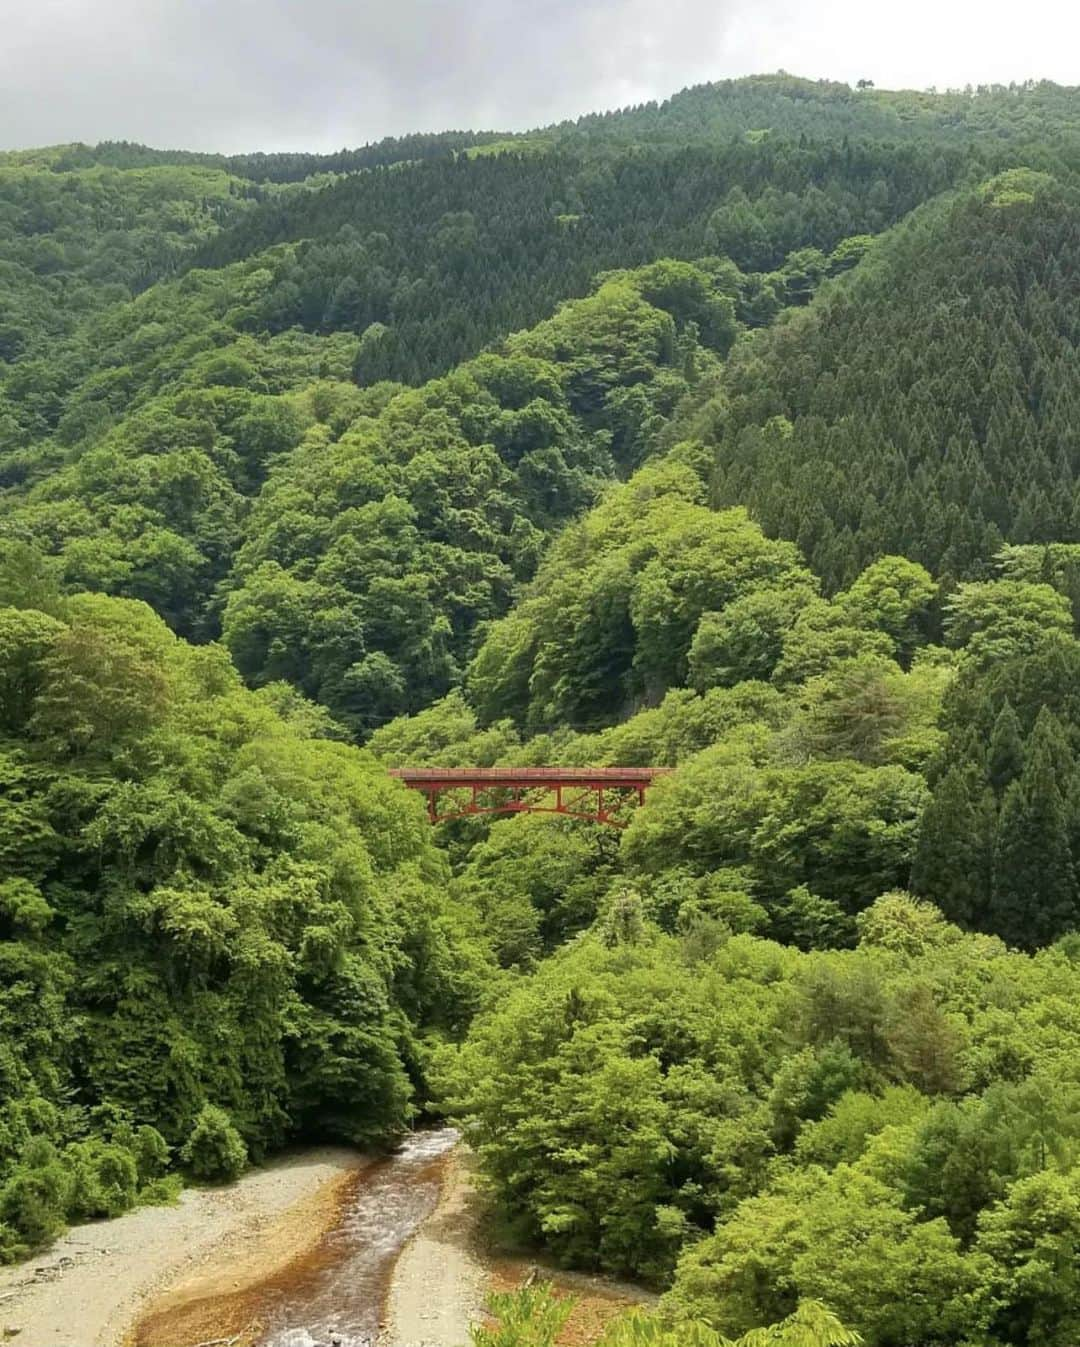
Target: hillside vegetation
738, 434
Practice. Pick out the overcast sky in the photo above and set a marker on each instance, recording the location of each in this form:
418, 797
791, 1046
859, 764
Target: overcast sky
320, 74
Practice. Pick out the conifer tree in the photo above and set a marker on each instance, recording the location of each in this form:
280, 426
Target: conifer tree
952, 865
1034, 896
1006, 760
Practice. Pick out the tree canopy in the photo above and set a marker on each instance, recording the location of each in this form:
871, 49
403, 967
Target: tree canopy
735, 434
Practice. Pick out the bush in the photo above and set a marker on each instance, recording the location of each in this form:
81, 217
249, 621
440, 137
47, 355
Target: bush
163, 1192
215, 1149
531, 1317
151, 1152
104, 1179
35, 1199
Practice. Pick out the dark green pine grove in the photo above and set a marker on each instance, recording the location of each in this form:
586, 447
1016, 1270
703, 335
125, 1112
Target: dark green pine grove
1001, 826
736, 434
945, 368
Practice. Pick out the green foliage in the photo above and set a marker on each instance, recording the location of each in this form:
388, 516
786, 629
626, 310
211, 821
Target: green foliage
746, 640
996, 619
534, 1317
35, 1198
531, 1317
1032, 1237
840, 828
215, 1149
216, 932
348, 542
76, 241
841, 1237
1032, 853
998, 847
843, 1127
370, 558
612, 615
535, 882
464, 446
104, 1178
920, 366
892, 595
848, 1225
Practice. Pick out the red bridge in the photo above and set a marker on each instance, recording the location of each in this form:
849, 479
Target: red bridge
594, 793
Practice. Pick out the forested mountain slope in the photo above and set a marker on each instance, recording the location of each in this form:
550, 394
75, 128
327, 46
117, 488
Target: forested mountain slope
218, 928
945, 368
261, 167
237, 482
350, 539
475, 246
1037, 115
670, 1093
453, 255
736, 434
73, 243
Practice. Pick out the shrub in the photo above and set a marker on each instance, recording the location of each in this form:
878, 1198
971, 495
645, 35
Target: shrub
215, 1149
35, 1199
104, 1179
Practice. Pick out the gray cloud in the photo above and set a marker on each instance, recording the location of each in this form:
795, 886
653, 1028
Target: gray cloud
319, 74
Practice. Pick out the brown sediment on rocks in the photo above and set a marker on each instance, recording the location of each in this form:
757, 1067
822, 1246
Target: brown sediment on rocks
222, 1297
443, 1278
94, 1287
439, 1283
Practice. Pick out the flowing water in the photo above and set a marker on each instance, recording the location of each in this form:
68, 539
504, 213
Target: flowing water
336, 1296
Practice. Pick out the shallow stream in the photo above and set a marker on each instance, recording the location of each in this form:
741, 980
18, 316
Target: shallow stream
336, 1295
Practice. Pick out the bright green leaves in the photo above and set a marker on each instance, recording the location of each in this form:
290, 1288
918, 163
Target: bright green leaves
892, 595
841, 1238
534, 1316
206, 920
26, 637
1033, 1237
995, 620
371, 560
531, 1317
614, 610
214, 1150
106, 678
22, 909
747, 639
845, 830
386, 524
819, 1117
535, 882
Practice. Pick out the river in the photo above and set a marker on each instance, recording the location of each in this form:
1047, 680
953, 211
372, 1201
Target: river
395, 1261
336, 1296
333, 1294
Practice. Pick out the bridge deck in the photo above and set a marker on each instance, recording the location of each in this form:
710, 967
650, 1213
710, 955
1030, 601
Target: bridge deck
523, 777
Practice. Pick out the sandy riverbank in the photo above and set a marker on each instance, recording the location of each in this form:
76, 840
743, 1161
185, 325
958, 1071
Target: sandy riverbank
87, 1290
447, 1271
439, 1283
175, 1276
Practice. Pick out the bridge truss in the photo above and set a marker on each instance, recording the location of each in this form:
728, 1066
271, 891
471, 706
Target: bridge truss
594, 793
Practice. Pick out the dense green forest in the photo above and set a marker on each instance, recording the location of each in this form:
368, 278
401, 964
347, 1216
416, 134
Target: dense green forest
738, 434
